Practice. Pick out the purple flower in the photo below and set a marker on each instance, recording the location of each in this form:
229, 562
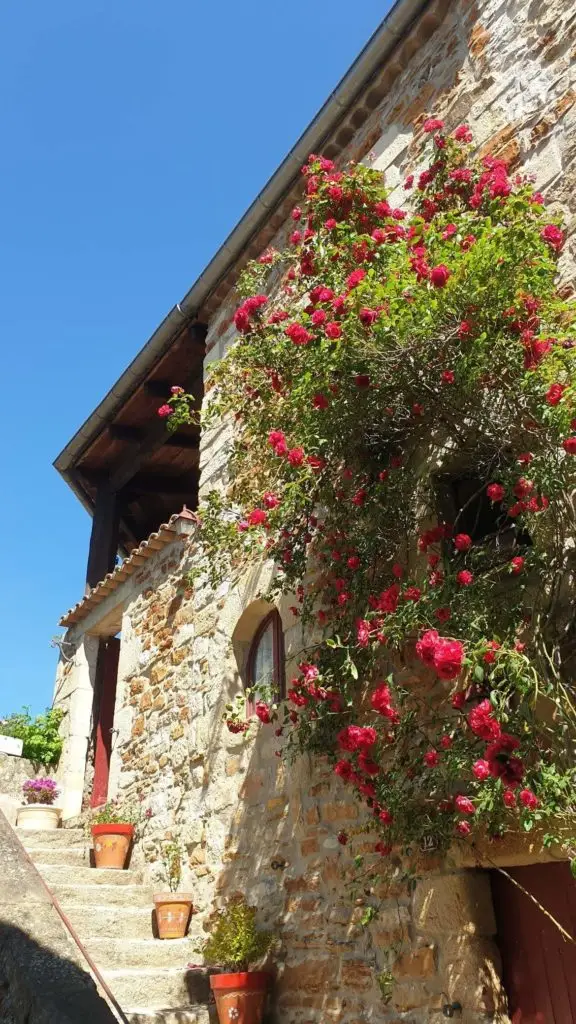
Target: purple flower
40, 791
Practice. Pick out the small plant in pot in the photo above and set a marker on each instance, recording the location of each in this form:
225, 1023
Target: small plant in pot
112, 829
234, 945
39, 811
172, 908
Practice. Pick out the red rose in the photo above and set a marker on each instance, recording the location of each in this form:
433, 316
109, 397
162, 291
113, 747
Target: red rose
263, 712
448, 376
355, 278
448, 657
462, 133
319, 317
458, 700
342, 838
383, 849
482, 722
516, 565
412, 594
296, 213
257, 517
509, 798
380, 700
333, 330
481, 770
554, 393
431, 758
445, 741
528, 799
495, 492
298, 334
426, 646
433, 124
463, 828
362, 380
462, 542
320, 401
344, 769
553, 236
569, 445
356, 737
464, 578
296, 456
443, 614
165, 410
385, 816
464, 805
353, 562
439, 275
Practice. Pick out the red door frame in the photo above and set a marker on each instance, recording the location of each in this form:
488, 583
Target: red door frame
105, 700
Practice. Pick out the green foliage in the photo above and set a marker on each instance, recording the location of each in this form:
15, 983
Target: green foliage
41, 741
172, 860
234, 941
115, 813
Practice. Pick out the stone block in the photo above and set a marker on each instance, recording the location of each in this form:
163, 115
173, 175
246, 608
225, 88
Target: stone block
304, 883
309, 846
138, 727
419, 963
337, 812
471, 973
310, 976
145, 701
410, 995
356, 974
390, 927
456, 904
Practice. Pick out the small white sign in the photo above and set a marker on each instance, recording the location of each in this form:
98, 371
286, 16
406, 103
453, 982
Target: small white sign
8, 745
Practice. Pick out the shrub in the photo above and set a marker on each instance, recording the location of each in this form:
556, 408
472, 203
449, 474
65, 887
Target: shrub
234, 941
41, 741
114, 813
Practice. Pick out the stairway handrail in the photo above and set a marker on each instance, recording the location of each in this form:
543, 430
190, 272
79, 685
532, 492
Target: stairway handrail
76, 938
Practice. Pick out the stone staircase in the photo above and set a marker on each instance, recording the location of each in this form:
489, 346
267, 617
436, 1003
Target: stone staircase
111, 911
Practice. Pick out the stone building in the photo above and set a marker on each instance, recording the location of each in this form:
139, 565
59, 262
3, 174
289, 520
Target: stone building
149, 662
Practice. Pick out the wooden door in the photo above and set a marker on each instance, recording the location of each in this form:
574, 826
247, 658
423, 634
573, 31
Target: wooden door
105, 700
539, 965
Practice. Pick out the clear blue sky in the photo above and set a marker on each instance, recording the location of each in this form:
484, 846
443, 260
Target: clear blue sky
134, 135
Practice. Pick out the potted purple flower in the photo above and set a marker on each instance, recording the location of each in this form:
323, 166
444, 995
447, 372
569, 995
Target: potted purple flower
38, 811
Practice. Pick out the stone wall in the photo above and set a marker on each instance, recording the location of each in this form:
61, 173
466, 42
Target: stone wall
14, 771
249, 821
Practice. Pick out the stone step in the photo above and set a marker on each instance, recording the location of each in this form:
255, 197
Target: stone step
74, 856
118, 953
179, 1015
30, 837
101, 922
69, 893
78, 875
156, 988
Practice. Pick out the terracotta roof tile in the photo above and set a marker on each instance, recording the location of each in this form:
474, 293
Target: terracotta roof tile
166, 534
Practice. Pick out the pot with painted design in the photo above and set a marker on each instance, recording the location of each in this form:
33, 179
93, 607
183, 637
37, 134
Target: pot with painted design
173, 911
111, 844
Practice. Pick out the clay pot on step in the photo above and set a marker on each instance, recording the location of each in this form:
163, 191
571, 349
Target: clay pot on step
111, 845
240, 998
173, 911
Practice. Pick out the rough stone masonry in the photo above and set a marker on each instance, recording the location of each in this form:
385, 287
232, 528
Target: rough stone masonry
249, 821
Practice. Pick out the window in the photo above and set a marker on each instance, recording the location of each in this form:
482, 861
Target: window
463, 502
265, 666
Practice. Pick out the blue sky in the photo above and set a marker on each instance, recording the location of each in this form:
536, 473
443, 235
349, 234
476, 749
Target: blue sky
134, 136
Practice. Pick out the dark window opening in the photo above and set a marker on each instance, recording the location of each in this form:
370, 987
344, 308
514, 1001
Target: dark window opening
265, 666
464, 504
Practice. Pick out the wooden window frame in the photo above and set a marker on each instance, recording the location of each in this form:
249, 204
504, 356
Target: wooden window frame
277, 653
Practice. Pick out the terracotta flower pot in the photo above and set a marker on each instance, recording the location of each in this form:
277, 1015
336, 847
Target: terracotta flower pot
111, 845
172, 913
42, 816
240, 998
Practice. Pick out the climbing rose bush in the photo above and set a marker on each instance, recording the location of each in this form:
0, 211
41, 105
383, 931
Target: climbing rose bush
403, 396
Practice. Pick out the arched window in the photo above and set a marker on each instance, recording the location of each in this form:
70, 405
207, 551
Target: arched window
265, 666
